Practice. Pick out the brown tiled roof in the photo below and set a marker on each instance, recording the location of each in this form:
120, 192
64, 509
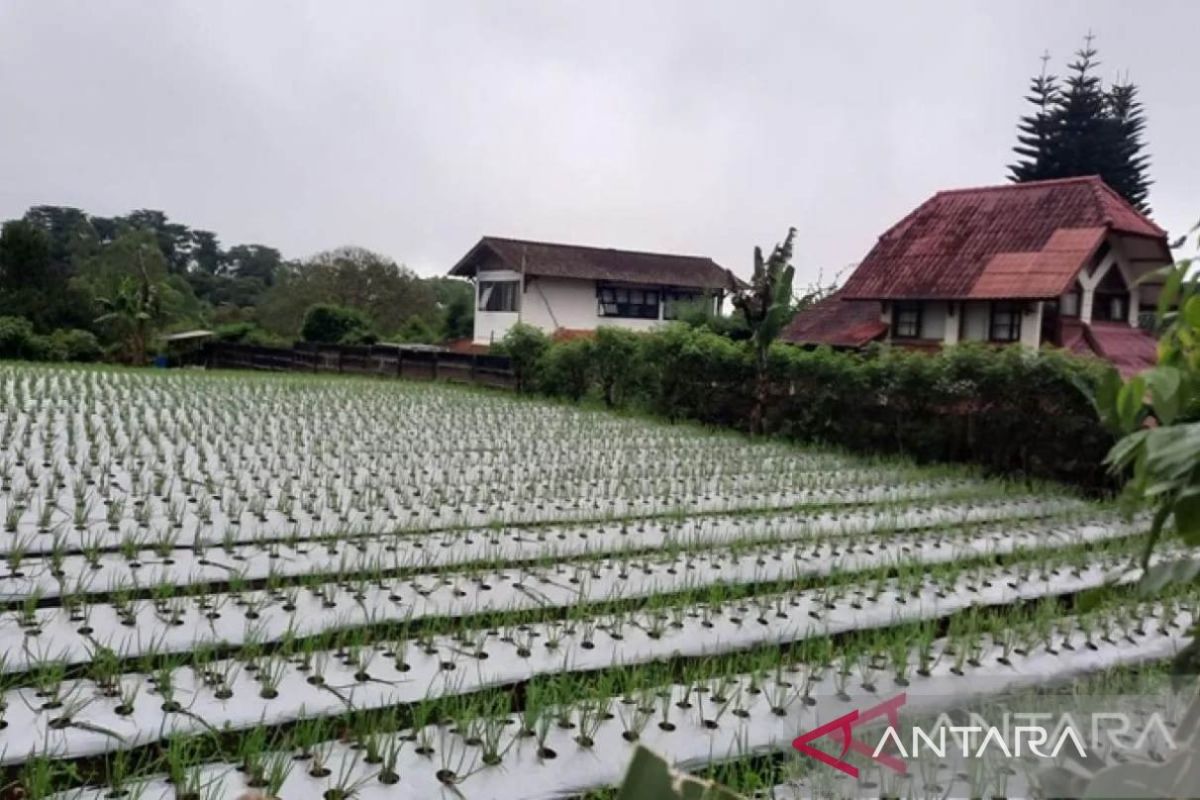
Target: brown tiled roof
597, 263
837, 322
1018, 241
1130, 349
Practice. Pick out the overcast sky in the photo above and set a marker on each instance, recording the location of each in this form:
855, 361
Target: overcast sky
413, 128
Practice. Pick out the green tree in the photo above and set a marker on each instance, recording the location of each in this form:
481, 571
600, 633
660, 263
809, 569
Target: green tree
351, 277
1081, 128
524, 345
1127, 166
456, 303
24, 256
135, 309
1038, 129
615, 356
253, 261
325, 322
766, 306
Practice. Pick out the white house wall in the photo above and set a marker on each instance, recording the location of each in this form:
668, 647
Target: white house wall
975, 321
1031, 326
490, 326
553, 303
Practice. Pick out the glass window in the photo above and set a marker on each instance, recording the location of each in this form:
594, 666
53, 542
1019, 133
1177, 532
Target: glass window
906, 320
499, 295
1006, 322
616, 301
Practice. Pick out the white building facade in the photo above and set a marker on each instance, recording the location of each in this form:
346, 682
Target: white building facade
557, 287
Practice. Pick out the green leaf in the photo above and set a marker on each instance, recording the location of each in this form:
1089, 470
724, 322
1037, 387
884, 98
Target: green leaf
1187, 516
1129, 402
1165, 395
1164, 574
1170, 291
1171, 452
1191, 311
650, 777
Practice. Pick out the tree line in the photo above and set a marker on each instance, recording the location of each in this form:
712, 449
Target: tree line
76, 286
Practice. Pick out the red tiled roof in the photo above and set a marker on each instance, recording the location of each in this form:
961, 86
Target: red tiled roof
1018, 241
836, 322
597, 263
1131, 350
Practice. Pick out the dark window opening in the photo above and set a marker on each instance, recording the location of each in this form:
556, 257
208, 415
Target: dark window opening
1110, 307
906, 321
615, 301
1006, 322
498, 295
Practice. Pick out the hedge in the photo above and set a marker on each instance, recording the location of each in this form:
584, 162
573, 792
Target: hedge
1010, 410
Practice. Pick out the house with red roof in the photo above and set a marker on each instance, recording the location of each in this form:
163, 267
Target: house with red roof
569, 290
1046, 263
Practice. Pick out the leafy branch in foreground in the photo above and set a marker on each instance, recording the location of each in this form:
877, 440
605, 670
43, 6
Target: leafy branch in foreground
1157, 415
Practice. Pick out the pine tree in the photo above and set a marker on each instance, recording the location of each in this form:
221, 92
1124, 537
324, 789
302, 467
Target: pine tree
1128, 166
1078, 147
1080, 128
1037, 129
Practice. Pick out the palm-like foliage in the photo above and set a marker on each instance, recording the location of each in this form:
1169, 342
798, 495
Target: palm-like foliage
135, 308
767, 307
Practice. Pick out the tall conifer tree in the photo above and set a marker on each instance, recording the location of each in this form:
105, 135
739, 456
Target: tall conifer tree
1080, 128
1037, 129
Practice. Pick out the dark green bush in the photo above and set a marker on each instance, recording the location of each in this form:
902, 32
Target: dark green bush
567, 368
15, 336
325, 322
76, 345
525, 347
617, 368
1009, 410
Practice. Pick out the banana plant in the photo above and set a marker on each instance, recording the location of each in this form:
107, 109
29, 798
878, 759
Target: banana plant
766, 305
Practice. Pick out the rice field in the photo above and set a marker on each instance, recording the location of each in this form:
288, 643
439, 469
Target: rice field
229, 586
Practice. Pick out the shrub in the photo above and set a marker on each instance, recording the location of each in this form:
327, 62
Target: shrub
1010, 410
329, 323
417, 330
524, 345
76, 345
44, 348
249, 333
617, 364
566, 369
15, 336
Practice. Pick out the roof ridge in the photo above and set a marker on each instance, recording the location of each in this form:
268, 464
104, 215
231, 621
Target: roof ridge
1101, 187
998, 187
541, 243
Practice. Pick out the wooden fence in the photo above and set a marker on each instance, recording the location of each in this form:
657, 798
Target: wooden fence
381, 360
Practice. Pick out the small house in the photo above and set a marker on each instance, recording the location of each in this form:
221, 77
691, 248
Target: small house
1057, 262
564, 288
